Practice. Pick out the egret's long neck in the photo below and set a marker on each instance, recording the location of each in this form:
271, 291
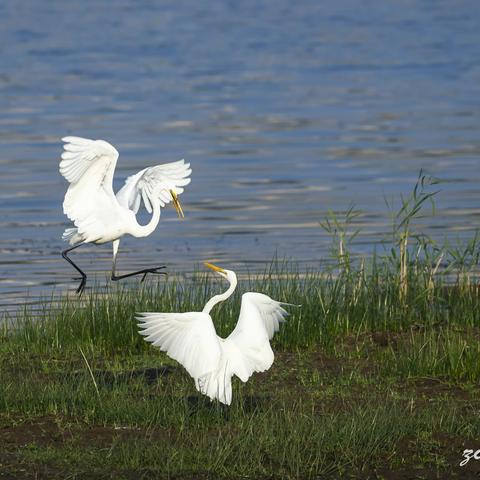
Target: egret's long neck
223, 296
145, 230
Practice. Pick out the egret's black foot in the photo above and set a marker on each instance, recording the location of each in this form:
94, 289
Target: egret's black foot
144, 272
155, 271
81, 287
83, 277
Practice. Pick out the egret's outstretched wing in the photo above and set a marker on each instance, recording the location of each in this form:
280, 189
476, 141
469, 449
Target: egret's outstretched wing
260, 317
88, 165
159, 181
82, 153
271, 312
247, 349
188, 338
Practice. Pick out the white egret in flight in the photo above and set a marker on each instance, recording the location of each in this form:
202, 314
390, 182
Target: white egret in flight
190, 339
98, 214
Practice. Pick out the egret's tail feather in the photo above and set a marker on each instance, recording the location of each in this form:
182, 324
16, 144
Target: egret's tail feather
71, 236
217, 385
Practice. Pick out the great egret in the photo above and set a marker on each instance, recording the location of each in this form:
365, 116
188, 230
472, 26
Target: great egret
190, 339
98, 214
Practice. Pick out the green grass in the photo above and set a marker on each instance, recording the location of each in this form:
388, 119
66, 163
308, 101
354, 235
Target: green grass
376, 374
332, 307
306, 417
364, 382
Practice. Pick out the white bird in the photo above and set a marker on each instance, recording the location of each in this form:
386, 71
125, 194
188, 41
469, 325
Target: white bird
98, 214
190, 339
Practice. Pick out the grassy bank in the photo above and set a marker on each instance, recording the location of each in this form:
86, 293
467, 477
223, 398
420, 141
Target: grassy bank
376, 375
366, 382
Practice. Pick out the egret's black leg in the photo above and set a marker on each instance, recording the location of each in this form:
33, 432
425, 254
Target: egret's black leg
81, 287
115, 277
140, 272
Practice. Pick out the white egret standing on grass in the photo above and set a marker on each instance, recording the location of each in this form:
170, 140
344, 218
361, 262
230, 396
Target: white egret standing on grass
98, 214
190, 339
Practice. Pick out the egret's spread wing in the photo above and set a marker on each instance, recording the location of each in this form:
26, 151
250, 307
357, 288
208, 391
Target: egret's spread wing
154, 181
259, 319
81, 154
188, 338
271, 312
88, 165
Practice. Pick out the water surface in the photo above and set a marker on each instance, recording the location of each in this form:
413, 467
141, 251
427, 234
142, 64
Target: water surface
284, 109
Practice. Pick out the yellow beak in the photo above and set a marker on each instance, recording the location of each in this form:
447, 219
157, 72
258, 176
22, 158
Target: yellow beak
214, 267
176, 204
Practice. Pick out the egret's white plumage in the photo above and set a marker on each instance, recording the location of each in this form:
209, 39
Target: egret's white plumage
98, 214
190, 339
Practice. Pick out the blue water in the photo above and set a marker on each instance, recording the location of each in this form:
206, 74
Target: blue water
284, 109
